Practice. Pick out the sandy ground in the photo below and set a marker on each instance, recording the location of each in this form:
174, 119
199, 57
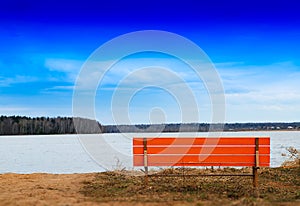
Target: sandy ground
49, 189
43, 189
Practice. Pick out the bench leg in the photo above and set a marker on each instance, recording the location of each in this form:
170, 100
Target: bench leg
255, 174
146, 175
255, 177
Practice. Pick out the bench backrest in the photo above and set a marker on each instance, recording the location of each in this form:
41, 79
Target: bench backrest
224, 151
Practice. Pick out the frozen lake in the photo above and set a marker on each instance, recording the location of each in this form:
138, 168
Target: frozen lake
95, 153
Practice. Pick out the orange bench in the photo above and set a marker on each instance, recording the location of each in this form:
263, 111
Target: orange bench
225, 151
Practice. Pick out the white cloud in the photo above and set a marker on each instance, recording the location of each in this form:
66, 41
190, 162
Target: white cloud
8, 81
63, 65
261, 93
238, 77
93, 71
69, 67
152, 76
58, 88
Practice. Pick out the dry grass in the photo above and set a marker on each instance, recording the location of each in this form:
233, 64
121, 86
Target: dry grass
293, 157
277, 186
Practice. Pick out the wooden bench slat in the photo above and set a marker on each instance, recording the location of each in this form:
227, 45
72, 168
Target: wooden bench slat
197, 164
168, 160
201, 141
200, 150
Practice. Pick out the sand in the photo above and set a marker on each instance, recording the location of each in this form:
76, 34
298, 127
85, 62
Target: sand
49, 189
43, 189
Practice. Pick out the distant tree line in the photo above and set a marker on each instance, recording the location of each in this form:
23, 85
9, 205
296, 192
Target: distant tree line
200, 127
18, 125
175, 127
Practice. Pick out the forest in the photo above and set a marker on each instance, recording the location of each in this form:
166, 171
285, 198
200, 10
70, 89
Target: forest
18, 125
22, 125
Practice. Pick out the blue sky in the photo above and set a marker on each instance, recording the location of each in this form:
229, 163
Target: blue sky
253, 45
